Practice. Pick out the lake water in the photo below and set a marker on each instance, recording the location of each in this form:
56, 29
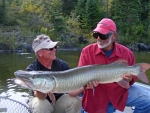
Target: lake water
11, 62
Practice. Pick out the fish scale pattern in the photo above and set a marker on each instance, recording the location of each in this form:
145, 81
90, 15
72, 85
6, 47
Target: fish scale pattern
8, 105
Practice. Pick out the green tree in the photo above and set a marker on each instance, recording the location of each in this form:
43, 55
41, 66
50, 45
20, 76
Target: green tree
80, 10
3, 11
127, 15
89, 12
68, 6
54, 16
145, 10
93, 14
148, 23
30, 15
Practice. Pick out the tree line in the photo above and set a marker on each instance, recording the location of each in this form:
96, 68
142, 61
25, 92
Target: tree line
72, 21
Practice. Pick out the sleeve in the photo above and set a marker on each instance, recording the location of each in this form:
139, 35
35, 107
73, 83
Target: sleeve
83, 58
60, 65
32, 66
65, 66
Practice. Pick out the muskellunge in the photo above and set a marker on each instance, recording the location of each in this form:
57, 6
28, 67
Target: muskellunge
65, 81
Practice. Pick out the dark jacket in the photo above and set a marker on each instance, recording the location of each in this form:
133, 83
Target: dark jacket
57, 65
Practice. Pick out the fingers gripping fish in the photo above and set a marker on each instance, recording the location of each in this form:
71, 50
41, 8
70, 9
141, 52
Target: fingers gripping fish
65, 81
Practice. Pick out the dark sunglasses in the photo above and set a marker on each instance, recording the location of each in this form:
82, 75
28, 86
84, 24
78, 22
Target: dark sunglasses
50, 49
102, 36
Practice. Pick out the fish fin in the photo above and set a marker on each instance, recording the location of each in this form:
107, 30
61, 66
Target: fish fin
144, 68
123, 83
93, 89
121, 62
55, 85
52, 97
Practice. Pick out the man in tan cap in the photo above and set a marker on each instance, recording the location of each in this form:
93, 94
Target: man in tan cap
45, 50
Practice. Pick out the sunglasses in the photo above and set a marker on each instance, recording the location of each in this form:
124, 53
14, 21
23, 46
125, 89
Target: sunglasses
50, 49
102, 36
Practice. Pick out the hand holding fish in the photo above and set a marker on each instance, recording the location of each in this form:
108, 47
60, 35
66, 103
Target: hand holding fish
92, 84
127, 77
40, 95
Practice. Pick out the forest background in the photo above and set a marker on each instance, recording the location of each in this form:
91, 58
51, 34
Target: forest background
71, 21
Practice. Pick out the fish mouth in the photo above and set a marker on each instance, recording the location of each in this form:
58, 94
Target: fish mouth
23, 83
23, 79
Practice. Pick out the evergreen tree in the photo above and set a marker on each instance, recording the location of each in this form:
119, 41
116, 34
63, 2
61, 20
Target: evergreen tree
68, 6
127, 15
89, 12
80, 9
94, 13
52, 13
3, 11
145, 10
148, 30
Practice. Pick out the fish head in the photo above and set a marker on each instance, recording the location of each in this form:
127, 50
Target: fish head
35, 80
24, 79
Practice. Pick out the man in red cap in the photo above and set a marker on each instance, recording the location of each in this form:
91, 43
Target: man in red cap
109, 97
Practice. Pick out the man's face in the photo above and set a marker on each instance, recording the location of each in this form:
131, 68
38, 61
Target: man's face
48, 54
103, 40
104, 43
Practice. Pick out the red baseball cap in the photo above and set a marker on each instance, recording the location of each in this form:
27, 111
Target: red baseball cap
105, 26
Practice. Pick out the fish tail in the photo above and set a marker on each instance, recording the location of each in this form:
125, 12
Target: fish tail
144, 67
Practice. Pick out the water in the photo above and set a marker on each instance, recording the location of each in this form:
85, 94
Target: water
11, 62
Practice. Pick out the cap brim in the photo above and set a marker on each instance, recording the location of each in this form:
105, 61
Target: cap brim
101, 30
52, 44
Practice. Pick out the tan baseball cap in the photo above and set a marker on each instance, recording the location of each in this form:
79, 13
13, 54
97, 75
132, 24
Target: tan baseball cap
43, 41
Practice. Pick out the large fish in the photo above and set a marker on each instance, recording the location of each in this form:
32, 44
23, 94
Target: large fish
65, 81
